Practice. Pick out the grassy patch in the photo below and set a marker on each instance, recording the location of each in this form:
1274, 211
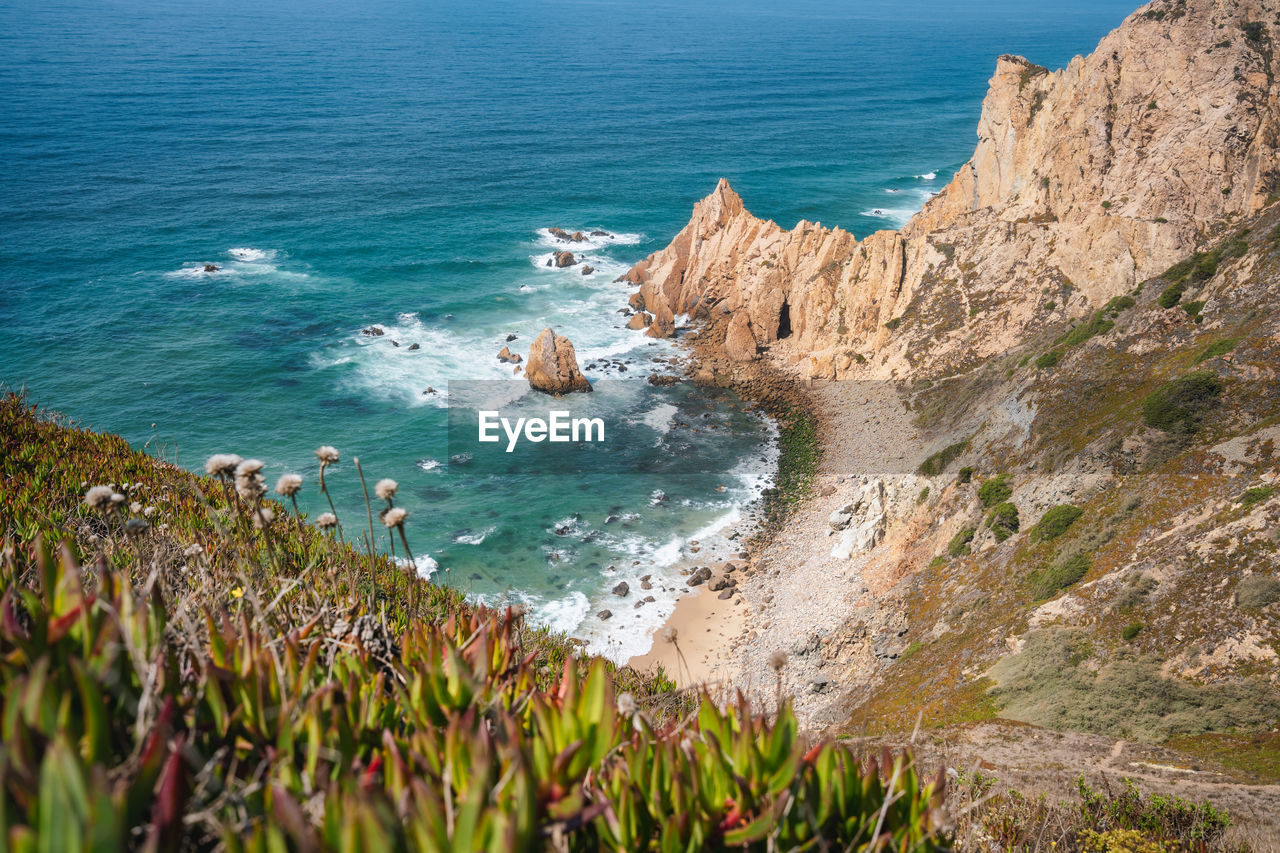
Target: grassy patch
1257, 591
1047, 685
1255, 754
1003, 520
1049, 359
1216, 349
1180, 406
1256, 495
1055, 522
959, 543
798, 458
1067, 572
1131, 631
938, 462
965, 475
994, 491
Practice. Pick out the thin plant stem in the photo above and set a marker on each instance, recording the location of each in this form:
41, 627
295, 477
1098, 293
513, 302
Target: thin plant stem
412, 579
369, 509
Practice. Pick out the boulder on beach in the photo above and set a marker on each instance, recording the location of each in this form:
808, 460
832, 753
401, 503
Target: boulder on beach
740, 342
562, 260
553, 366
509, 357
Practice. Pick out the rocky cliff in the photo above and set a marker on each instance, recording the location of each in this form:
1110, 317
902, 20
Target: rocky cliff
1085, 181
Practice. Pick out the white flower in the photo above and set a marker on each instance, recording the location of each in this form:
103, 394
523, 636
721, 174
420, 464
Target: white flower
252, 487
325, 520
394, 517
626, 704
193, 550
327, 454
135, 507
117, 498
386, 489
249, 467
263, 517
149, 511
289, 485
99, 497
221, 464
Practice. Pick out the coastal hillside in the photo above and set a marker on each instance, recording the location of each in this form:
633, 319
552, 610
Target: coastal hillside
1085, 181
1048, 490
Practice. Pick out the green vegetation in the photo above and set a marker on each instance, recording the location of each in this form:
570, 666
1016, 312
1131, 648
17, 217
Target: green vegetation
1255, 495
938, 462
1193, 309
994, 491
1095, 820
277, 689
798, 458
1055, 682
1200, 267
1049, 582
1130, 631
1257, 754
893, 324
1257, 591
1049, 359
965, 475
1253, 30
1216, 349
923, 496
1180, 406
959, 544
1003, 520
1055, 522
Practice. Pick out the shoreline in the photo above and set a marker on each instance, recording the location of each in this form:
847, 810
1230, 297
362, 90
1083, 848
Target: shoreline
697, 644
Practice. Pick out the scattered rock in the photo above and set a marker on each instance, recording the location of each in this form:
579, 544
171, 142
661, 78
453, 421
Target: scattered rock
210, 267
827, 491
840, 519
621, 589
662, 380
700, 577
587, 269
562, 260
509, 357
553, 366
511, 337
639, 321
413, 347
601, 234
725, 595
604, 615
373, 331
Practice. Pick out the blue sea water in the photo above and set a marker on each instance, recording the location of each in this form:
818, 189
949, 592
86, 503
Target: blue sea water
397, 163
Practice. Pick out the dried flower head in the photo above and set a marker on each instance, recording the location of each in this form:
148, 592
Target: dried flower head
136, 526
193, 550
222, 464
289, 485
263, 517
135, 507
777, 661
626, 704
394, 517
249, 467
99, 497
117, 499
386, 489
325, 520
327, 454
149, 511
251, 487
670, 634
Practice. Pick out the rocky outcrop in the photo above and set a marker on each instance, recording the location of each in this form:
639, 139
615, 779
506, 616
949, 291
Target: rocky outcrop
553, 366
739, 341
1086, 180
560, 260
506, 356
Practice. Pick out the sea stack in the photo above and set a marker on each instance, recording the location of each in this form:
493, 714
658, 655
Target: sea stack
553, 366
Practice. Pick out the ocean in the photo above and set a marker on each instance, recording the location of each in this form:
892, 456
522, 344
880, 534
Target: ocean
398, 164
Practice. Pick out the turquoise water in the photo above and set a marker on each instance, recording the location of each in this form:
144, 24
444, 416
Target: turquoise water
396, 163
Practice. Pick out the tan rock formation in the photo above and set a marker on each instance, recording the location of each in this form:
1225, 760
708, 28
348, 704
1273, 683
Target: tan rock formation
508, 357
640, 320
553, 366
1085, 180
739, 342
